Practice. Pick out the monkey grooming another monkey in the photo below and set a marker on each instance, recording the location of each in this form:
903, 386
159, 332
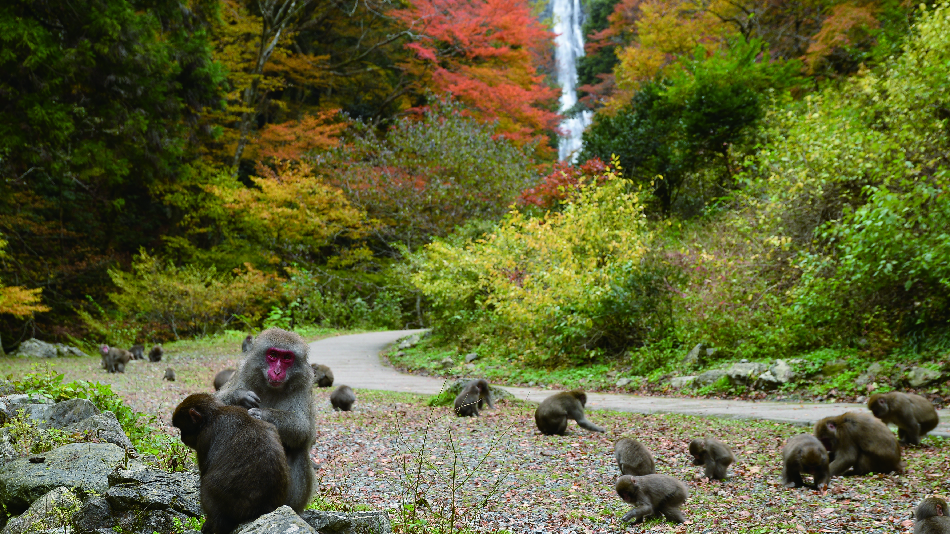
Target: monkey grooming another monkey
652, 495
931, 517
275, 383
322, 375
138, 352
243, 468
247, 343
115, 359
155, 355
473, 397
342, 398
552, 414
913, 415
859, 442
633, 458
805, 454
714, 454
222, 378
169, 374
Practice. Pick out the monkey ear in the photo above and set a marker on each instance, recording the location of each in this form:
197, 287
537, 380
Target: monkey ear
195, 416
939, 510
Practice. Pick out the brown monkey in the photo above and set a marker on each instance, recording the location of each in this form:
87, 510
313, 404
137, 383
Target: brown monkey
552, 414
275, 383
222, 378
322, 375
931, 517
155, 355
342, 398
859, 442
115, 359
243, 468
652, 495
247, 343
913, 415
714, 454
633, 458
805, 454
169, 374
473, 397
138, 352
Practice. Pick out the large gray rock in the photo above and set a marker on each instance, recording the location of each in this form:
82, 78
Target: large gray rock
679, 382
741, 374
281, 521
82, 467
34, 348
409, 341
49, 512
8, 452
104, 428
869, 374
10, 405
352, 523
710, 377
782, 371
699, 354
98, 517
143, 488
833, 368
69, 412
921, 376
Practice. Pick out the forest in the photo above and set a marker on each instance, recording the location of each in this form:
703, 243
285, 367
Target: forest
767, 177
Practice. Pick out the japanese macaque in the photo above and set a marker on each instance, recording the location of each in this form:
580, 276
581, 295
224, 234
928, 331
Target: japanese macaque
931, 517
472, 398
552, 414
714, 454
243, 467
247, 343
222, 378
805, 454
913, 415
138, 352
275, 384
322, 375
858, 444
113, 359
169, 374
342, 398
633, 458
155, 355
652, 495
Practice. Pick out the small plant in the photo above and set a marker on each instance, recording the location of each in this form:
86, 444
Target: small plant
28, 438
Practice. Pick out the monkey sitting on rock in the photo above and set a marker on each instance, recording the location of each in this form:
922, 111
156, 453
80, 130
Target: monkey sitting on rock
652, 495
241, 461
552, 414
913, 415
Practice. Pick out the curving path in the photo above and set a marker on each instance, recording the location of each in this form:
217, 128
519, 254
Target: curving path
355, 361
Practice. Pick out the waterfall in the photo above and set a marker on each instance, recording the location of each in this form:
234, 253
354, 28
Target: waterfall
569, 45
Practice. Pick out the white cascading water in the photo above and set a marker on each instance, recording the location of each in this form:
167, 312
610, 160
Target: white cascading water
569, 46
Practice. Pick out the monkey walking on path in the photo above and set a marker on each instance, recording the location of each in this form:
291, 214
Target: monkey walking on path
274, 383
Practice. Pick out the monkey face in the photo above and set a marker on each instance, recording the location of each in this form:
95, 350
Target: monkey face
879, 407
104, 349
627, 489
278, 362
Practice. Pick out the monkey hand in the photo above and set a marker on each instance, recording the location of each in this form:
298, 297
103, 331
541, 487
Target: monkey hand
247, 398
256, 413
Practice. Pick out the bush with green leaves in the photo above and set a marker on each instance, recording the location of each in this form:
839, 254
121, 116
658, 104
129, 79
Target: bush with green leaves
569, 286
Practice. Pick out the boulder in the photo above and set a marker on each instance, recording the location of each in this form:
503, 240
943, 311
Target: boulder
48, 513
694, 356
869, 374
144, 488
471, 357
446, 363
782, 371
496, 393
352, 523
69, 412
11, 404
281, 521
743, 373
409, 342
34, 348
82, 467
833, 368
710, 377
105, 428
8, 452
98, 517
623, 382
921, 376
678, 382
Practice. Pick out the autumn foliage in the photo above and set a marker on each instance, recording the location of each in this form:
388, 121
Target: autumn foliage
562, 182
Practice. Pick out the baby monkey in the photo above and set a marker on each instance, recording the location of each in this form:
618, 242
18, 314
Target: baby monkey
931, 517
805, 454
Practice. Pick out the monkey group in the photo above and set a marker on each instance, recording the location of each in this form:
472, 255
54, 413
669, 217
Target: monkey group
115, 359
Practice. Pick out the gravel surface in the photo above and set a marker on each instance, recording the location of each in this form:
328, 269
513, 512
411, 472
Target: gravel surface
509, 477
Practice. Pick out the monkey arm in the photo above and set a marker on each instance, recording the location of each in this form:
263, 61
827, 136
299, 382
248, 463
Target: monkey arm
239, 397
639, 512
293, 427
843, 461
584, 423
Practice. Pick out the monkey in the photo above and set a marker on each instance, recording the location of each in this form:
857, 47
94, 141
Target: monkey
931, 517
247, 343
155, 355
913, 415
275, 384
322, 375
805, 454
169, 374
472, 398
859, 442
342, 398
241, 462
115, 359
652, 495
222, 378
633, 458
138, 352
714, 454
552, 414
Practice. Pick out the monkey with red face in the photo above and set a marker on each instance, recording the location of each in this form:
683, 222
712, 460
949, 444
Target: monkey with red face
274, 383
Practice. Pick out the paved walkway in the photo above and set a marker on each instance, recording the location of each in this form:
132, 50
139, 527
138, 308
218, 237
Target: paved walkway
355, 361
